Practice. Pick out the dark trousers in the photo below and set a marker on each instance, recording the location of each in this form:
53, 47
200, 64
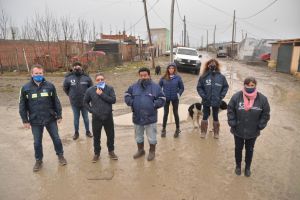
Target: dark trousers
215, 112
85, 116
175, 104
37, 132
249, 146
97, 125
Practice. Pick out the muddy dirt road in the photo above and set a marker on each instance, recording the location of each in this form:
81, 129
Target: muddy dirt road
184, 168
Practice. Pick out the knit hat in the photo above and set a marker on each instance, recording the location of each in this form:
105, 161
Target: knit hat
171, 65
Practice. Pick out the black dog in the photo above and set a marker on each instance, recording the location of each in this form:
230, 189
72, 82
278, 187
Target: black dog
157, 70
195, 110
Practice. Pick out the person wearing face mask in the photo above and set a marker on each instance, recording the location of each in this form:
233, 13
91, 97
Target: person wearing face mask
145, 97
248, 113
75, 85
40, 107
212, 88
98, 100
173, 87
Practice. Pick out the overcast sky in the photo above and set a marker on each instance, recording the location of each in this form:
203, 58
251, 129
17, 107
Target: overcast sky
280, 20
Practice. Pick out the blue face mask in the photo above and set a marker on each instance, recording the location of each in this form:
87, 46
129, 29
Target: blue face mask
249, 90
38, 78
101, 85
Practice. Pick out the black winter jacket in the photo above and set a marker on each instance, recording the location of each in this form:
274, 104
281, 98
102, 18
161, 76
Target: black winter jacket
248, 124
212, 87
76, 86
39, 105
100, 105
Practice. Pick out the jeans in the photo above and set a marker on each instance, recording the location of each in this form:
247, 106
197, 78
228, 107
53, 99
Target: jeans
175, 104
150, 132
97, 125
85, 116
249, 146
37, 131
206, 113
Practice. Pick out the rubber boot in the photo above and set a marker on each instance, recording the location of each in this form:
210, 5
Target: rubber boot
151, 154
216, 129
203, 126
140, 151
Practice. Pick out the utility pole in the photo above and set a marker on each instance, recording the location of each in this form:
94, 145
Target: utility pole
242, 34
149, 33
182, 40
232, 41
171, 30
187, 39
215, 37
201, 42
206, 40
184, 31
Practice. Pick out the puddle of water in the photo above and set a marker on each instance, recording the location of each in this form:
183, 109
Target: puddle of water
125, 120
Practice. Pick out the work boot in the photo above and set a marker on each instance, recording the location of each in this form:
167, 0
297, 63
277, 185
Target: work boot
247, 172
89, 134
140, 151
238, 170
112, 155
203, 127
163, 132
151, 154
38, 165
62, 161
177, 131
216, 129
76, 135
95, 158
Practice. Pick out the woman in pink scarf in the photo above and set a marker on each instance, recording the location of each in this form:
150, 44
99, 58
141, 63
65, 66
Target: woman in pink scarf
248, 113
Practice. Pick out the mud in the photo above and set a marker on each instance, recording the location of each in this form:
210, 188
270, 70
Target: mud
184, 168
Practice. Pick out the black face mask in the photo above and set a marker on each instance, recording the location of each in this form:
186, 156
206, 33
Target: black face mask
77, 72
212, 67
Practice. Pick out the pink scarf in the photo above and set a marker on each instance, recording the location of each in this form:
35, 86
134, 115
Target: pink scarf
249, 99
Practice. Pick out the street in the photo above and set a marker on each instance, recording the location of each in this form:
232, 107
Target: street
184, 168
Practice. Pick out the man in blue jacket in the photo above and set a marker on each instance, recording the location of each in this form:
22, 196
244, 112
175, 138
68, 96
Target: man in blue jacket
145, 97
40, 107
75, 85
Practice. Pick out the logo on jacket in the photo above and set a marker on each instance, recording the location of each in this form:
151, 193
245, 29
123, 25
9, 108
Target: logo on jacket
241, 106
73, 82
208, 82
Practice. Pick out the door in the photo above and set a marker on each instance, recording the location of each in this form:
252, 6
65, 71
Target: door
284, 58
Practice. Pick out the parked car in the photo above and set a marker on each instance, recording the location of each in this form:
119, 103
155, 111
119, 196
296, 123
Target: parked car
265, 56
221, 52
187, 59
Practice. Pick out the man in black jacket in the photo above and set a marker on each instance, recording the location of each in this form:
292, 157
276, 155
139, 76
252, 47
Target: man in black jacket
75, 85
40, 107
98, 100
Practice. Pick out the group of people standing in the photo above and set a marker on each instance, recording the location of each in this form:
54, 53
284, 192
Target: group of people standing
248, 110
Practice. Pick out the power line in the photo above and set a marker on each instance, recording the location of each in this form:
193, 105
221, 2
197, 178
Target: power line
269, 5
178, 10
215, 8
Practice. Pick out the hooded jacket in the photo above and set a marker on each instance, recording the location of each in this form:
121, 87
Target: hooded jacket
75, 87
39, 105
212, 87
248, 124
144, 101
172, 88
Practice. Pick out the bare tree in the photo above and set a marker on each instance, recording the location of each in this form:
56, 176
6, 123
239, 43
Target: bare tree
67, 31
82, 31
3, 25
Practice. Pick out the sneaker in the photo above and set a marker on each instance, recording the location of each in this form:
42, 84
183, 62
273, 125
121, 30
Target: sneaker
238, 171
95, 158
89, 134
38, 165
76, 135
163, 132
176, 134
112, 155
62, 161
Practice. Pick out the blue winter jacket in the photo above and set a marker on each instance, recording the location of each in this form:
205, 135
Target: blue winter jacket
172, 88
212, 87
144, 102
